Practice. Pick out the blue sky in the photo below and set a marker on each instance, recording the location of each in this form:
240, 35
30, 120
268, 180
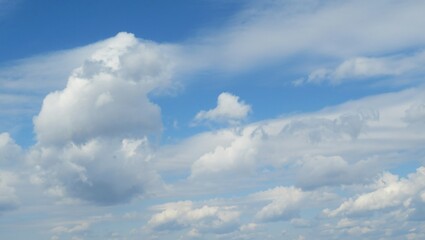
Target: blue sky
212, 119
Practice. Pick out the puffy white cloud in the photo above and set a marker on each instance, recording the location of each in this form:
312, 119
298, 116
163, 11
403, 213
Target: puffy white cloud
107, 96
201, 220
391, 191
93, 136
11, 156
342, 145
229, 109
238, 157
10, 152
99, 171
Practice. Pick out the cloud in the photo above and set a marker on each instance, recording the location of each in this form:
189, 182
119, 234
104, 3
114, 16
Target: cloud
391, 191
202, 220
415, 114
25, 82
366, 68
270, 30
285, 205
229, 110
322, 129
10, 153
8, 197
239, 157
11, 156
93, 136
318, 171
100, 171
342, 145
107, 96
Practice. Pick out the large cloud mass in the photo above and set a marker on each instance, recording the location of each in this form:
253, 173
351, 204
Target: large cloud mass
107, 96
93, 136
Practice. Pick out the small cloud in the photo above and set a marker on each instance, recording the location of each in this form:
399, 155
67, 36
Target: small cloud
229, 110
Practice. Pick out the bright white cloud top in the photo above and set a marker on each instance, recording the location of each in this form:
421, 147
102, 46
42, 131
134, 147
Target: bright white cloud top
229, 109
126, 147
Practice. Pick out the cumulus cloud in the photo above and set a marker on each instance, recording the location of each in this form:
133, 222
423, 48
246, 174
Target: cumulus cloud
331, 147
107, 96
8, 197
99, 171
10, 152
390, 191
201, 220
11, 156
93, 136
229, 110
239, 156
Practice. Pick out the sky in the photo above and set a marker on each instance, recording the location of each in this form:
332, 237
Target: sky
212, 119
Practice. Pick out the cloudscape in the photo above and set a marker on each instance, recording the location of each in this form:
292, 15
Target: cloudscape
202, 119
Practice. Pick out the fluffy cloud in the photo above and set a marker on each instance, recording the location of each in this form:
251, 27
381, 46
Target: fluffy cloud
10, 156
99, 171
240, 156
107, 96
201, 220
93, 136
331, 147
229, 109
391, 191
10, 152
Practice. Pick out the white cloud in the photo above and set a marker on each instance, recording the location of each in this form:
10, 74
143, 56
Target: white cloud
415, 114
8, 198
25, 82
317, 171
10, 153
391, 191
93, 136
11, 156
99, 171
270, 30
341, 145
201, 220
229, 109
107, 97
80, 227
239, 157
285, 205
365, 68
